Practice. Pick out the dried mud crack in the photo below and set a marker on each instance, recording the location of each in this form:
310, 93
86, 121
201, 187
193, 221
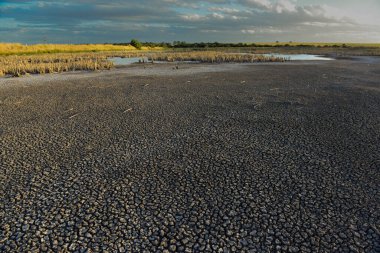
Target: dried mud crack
250, 158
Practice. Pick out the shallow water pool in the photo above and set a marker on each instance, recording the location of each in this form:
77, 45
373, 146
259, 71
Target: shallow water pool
126, 61
301, 57
118, 61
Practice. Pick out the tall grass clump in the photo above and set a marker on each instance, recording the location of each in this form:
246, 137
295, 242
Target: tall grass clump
18, 65
41, 64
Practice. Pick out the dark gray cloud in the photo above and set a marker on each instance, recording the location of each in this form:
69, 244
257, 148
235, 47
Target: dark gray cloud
83, 21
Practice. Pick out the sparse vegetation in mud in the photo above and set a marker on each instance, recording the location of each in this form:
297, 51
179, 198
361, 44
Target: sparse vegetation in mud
18, 65
29, 60
214, 57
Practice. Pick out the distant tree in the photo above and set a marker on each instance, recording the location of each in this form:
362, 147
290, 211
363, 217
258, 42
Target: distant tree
137, 44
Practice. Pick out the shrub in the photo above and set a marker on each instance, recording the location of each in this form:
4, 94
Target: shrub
137, 44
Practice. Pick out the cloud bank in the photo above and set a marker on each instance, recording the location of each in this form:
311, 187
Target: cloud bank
90, 21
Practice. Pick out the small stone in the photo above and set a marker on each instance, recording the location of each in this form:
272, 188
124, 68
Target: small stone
44, 247
72, 247
243, 242
164, 244
342, 235
25, 227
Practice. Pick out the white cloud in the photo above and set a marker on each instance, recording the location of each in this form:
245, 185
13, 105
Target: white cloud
217, 15
285, 5
262, 30
248, 31
224, 10
266, 4
324, 24
193, 17
196, 20
278, 6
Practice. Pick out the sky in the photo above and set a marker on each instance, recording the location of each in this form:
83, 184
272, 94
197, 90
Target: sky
101, 21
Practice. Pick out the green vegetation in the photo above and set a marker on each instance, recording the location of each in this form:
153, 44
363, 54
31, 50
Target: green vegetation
137, 44
336, 49
291, 44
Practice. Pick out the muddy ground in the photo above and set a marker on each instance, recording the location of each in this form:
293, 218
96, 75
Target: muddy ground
278, 157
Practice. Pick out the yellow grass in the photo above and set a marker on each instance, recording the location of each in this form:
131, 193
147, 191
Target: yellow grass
17, 48
17, 65
319, 44
41, 64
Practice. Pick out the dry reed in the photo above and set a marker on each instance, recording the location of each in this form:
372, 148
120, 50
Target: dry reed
41, 64
18, 65
214, 57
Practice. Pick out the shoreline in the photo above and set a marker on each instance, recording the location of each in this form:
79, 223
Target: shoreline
147, 69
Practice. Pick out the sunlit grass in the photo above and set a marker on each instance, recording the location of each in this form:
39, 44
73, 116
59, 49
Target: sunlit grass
18, 65
17, 48
41, 64
18, 59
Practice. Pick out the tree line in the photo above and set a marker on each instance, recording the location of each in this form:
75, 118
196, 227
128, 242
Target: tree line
184, 44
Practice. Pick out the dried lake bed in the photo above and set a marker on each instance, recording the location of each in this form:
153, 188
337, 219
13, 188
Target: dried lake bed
207, 157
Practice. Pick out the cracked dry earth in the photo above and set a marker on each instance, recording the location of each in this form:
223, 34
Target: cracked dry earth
243, 158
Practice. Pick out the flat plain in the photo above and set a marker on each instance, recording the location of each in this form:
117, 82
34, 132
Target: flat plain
270, 157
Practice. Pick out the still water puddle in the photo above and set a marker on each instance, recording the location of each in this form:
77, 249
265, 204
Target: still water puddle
301, 57
126, 61
118, 61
